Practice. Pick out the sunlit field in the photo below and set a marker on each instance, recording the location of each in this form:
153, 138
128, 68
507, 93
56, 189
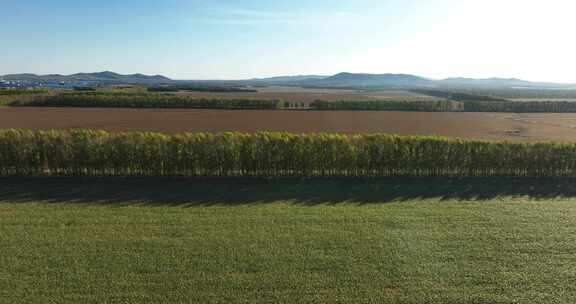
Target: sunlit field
309, 241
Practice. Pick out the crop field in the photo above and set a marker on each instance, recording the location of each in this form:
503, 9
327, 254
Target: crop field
94, 217
510, 126
233, 241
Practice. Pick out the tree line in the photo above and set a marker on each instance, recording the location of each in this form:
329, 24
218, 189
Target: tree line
121, 100
99, 153
389, 105
458, 96
521, 106
448, 106
165, 100
22, 91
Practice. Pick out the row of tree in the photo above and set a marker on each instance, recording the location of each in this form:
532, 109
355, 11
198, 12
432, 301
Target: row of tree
98, 153
521, 106
458, 96
389, 105
449, 106
148, 101
22, 91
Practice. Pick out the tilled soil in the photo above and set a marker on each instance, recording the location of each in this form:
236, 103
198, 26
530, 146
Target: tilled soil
530, 127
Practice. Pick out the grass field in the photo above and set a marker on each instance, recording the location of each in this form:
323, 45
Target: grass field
288, 241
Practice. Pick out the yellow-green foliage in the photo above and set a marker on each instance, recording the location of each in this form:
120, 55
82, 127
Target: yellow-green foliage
99, 153
8, 100
23, 91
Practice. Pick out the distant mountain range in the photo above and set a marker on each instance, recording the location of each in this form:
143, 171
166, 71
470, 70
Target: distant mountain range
366, 80
363, 80
348, 80
101, 77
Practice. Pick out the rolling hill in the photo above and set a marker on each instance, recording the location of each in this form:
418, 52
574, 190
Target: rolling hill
406, 81
352, 79
340, 80
100, 77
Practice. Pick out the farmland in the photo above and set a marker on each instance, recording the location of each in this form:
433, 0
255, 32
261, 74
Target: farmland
295, 116
510, 126
98, 217
316, 241
287, 98
290, 152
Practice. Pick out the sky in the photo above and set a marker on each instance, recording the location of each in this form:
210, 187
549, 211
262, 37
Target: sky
231, 39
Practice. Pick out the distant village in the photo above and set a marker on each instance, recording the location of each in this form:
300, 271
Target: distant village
22, 84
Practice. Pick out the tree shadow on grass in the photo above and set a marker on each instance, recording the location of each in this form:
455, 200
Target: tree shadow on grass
230, 192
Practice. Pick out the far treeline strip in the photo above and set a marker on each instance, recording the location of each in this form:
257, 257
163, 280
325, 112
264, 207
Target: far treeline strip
148, 101
448, 106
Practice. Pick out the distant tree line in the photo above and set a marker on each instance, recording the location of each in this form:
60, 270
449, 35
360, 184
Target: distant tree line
165, 100
389, 105
457, 96
22, 91
120, 100
448, 106
525, 93
294, 105
521, 106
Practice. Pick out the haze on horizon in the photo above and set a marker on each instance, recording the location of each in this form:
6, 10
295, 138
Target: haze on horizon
226, 39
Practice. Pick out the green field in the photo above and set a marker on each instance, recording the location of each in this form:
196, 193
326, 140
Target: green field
288, 241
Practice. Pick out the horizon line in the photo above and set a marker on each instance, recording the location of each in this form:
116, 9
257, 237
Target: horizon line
287, 75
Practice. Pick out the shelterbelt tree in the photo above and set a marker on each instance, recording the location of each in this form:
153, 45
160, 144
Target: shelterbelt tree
125, 100
551, 106
99, 153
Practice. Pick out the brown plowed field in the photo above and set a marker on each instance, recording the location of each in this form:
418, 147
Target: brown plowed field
471, 125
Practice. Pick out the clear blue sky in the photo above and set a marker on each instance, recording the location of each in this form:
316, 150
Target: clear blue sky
226, 39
